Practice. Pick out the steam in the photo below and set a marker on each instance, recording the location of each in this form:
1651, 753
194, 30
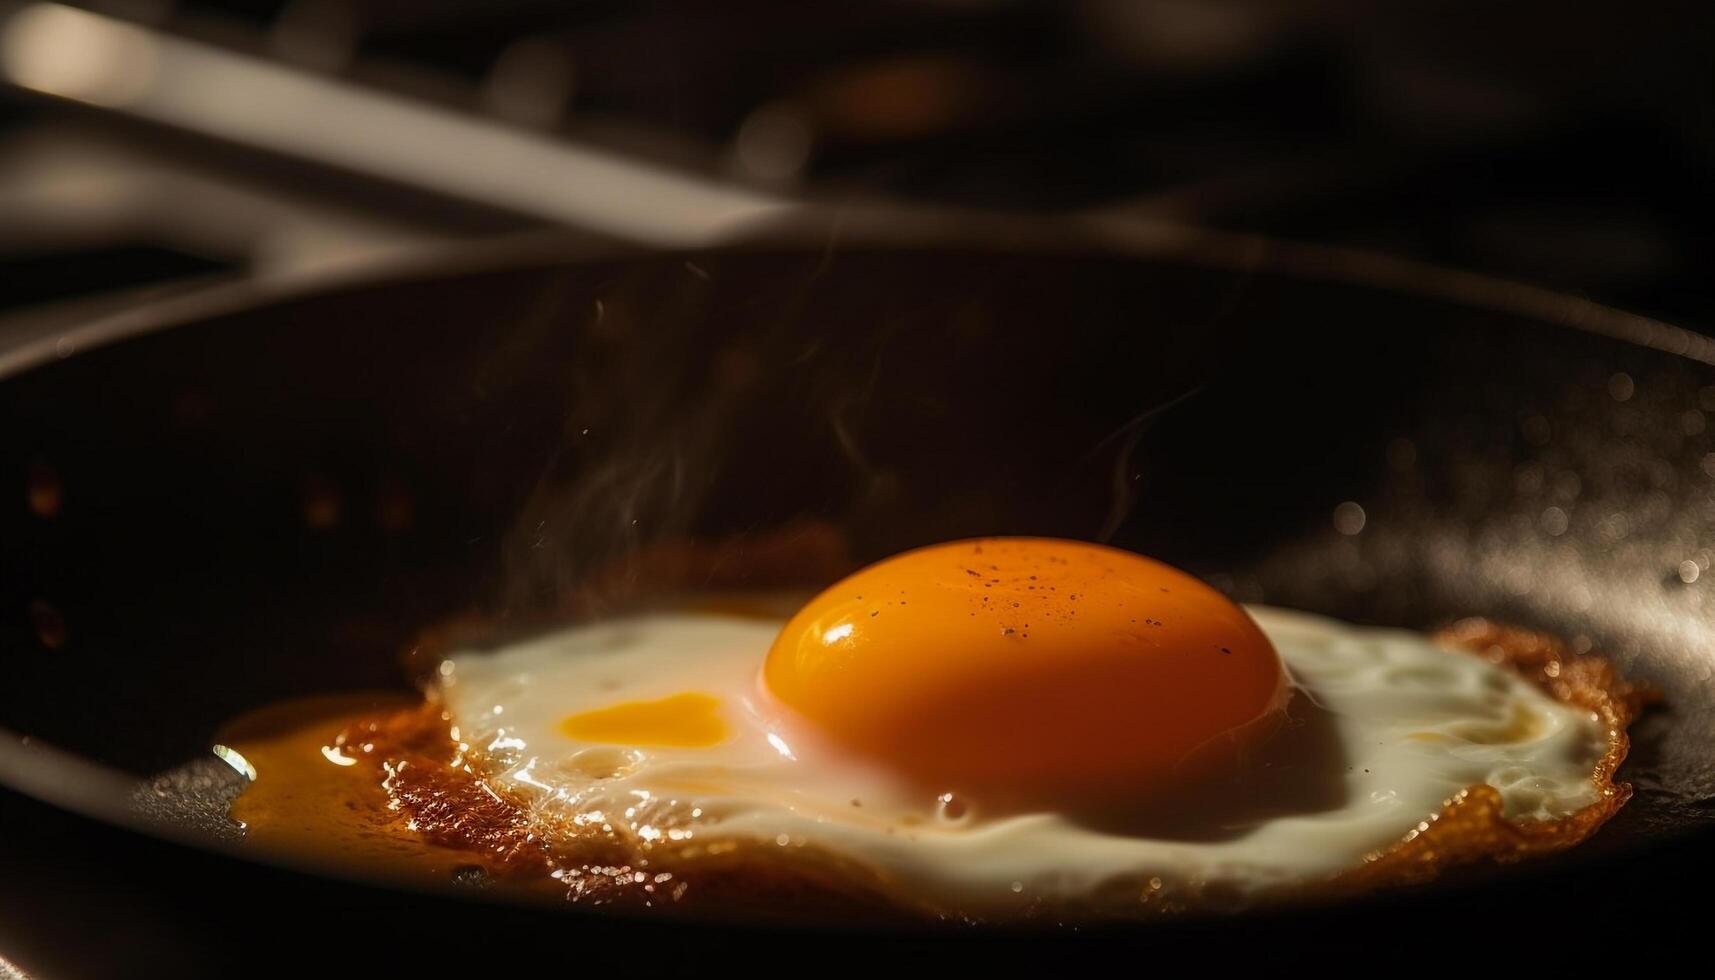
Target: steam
662, 398
749, 417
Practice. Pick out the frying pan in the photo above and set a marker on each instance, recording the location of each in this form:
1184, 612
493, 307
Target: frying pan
258, 493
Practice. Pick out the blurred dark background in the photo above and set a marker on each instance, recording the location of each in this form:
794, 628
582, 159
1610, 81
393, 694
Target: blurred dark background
152, 143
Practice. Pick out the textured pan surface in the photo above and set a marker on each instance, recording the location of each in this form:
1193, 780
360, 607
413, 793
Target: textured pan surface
271, 502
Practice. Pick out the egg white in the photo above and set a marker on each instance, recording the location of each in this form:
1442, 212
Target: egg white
1416, 724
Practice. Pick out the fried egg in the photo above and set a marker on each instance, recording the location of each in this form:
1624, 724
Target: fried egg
986, 727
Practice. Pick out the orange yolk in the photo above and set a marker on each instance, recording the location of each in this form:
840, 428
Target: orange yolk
689, 720
1030, 671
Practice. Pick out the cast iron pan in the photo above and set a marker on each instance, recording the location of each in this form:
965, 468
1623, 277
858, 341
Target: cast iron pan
232, 501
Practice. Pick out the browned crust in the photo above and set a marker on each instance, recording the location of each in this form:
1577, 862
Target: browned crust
1470, 828
448, 806
439, 801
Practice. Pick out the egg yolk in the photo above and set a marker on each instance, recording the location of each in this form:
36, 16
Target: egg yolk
1030, 671
688, 720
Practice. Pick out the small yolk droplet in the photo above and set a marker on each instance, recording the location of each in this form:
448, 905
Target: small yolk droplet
688, 721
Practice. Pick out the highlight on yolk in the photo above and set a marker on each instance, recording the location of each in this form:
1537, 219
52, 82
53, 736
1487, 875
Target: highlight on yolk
1031, 670
686, 721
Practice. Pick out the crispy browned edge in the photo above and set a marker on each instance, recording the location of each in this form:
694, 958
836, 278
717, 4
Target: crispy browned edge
1470, 827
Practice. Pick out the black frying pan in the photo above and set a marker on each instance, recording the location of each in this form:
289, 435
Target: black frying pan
235, 499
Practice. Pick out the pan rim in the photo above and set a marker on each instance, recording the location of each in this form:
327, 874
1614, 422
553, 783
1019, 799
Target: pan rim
826, 230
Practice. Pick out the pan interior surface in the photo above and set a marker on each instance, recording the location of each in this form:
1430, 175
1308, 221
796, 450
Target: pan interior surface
273, 503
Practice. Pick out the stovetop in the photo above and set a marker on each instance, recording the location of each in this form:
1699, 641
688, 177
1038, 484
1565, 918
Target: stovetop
1547, 142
